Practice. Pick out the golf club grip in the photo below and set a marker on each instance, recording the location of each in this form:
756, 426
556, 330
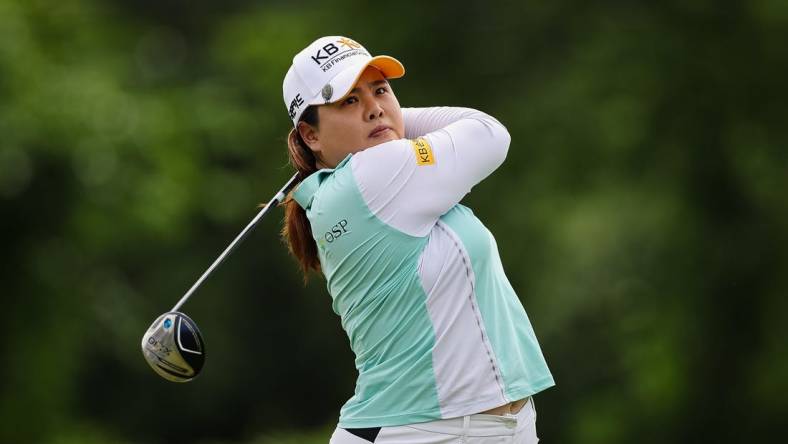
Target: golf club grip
277, 199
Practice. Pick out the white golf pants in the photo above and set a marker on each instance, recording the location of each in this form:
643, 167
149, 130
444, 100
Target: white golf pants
470, 429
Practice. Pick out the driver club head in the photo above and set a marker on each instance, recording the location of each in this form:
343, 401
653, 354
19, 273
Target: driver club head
174, 347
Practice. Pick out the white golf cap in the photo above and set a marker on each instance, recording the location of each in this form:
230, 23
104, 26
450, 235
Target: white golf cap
326, 70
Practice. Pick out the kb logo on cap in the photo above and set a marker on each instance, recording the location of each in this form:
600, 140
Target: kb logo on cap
331, 49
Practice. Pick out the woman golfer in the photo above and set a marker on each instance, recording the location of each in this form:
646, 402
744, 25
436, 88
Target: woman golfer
444, 350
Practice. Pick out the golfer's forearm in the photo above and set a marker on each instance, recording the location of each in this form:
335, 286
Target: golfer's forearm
420, 121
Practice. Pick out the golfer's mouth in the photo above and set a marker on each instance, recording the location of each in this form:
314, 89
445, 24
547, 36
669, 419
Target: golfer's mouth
379, 131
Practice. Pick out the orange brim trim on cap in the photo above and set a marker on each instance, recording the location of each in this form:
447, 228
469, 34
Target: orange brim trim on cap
390, 67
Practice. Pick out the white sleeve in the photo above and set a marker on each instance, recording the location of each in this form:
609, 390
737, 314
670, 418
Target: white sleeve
409, 186
420, 121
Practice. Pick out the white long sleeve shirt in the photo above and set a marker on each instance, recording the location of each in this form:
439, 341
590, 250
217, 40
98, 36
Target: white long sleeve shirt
437, 330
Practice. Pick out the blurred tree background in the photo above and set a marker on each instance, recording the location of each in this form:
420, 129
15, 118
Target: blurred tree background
641, 213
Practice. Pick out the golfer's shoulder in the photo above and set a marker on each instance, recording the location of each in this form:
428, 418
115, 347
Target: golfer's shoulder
337, 188
373, 168
324, 186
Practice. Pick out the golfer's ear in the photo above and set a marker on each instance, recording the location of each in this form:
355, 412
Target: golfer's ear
310, 136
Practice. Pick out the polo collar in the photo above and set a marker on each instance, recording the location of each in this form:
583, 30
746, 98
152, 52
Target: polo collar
305, 191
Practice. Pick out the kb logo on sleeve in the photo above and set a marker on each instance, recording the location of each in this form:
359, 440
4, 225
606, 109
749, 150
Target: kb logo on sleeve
423, 151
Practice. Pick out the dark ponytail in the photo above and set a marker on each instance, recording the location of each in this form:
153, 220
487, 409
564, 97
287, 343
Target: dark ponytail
297, 231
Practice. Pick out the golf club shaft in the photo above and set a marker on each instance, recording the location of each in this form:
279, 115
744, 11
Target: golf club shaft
278, 198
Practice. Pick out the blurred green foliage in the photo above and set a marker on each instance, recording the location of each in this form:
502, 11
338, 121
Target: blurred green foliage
641, 213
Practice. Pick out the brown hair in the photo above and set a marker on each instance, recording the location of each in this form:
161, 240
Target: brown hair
297, 231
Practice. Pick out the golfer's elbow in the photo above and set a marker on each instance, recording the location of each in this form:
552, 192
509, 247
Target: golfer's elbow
498, 138
502, 142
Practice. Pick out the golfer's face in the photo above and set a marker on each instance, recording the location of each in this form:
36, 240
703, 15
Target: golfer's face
369, 115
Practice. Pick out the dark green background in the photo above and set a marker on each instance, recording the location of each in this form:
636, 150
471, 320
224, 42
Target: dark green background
641, 213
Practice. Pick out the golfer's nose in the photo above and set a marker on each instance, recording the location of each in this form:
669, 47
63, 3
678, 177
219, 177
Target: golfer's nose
374, 110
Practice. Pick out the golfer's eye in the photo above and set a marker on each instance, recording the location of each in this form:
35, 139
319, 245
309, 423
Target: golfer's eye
381, 90
350, 100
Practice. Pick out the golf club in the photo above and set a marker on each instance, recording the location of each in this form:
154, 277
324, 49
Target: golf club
173, 345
